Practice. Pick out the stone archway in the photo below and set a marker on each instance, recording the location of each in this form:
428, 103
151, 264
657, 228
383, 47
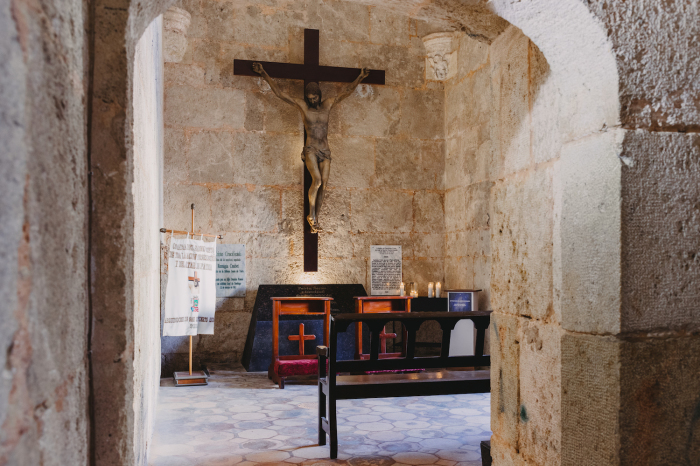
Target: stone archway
587, 222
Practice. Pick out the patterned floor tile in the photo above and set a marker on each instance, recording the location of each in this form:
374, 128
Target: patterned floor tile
243, 419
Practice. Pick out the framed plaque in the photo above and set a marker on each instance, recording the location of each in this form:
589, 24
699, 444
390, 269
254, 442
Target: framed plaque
463, 335
230, 271
385, 270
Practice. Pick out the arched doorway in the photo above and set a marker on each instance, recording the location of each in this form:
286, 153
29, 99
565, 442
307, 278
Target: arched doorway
576, 155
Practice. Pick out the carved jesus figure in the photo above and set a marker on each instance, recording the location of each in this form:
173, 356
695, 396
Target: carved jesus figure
316, 153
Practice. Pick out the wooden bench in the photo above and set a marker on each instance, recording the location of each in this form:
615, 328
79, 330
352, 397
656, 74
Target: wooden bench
332, 386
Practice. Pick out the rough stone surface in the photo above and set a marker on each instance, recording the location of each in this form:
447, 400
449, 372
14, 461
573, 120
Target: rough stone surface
659, 424
521, 245
590, 395
590, 220
43, 220
660, 231
505, 378
539, 436
176, 22
234, 148
115, 437
660, 86
148, 217
592, 66
509, 201
468, 110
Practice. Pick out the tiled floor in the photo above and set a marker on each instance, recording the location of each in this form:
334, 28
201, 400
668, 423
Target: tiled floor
243, 419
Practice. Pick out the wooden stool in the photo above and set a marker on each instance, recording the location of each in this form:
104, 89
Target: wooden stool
380, 304
301, 364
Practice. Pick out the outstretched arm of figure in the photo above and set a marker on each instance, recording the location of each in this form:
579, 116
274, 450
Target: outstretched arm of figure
258, 68
351, 88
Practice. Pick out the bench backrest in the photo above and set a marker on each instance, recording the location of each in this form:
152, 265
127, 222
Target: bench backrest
412, 322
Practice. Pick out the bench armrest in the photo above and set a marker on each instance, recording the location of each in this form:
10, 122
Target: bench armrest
322, 352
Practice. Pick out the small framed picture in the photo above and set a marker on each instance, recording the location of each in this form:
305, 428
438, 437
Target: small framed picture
463, 336
462, 300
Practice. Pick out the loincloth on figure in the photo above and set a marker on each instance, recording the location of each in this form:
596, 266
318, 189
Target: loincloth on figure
320, 155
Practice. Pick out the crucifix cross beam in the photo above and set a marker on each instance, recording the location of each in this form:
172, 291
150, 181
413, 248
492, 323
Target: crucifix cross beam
194, 279
301, 338
310, 71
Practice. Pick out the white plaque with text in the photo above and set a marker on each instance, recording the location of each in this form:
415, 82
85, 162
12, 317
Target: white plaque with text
385, 270
230, 271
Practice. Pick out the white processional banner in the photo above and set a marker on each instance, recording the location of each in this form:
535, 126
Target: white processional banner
190, 297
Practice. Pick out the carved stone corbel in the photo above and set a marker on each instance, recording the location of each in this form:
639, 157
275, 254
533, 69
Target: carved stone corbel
176, 21
441, 61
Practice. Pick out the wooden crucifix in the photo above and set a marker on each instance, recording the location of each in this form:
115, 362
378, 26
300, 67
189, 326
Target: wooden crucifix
195, 280
309, 72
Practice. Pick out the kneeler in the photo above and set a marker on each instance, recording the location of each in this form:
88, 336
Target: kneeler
380, 304
285, 366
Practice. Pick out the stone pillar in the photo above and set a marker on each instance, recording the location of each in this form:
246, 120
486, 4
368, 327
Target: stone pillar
176, 21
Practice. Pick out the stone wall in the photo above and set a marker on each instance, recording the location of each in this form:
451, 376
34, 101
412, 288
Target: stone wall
470, 133
233, 148
148, 199
499, 221
624, 254
43, 236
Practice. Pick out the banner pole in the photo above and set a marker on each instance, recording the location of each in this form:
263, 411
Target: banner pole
191, 207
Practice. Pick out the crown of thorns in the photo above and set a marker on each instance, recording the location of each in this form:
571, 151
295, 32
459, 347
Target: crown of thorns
313, 88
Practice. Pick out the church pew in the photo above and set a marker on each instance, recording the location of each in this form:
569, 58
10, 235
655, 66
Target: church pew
334, 382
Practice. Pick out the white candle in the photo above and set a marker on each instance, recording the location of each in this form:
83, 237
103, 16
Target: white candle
438, 288
402, 289
431, 290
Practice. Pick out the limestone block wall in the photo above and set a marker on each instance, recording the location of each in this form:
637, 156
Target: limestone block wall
469, 175
148, 199
43, 232
233, 149
499, 220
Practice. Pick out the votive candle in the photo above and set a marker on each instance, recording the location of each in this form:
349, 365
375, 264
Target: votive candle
402, 289
438, 288
431, 290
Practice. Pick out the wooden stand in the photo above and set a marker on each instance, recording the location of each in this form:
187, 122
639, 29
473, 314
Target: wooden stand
302, 364
380, 304
188, 379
